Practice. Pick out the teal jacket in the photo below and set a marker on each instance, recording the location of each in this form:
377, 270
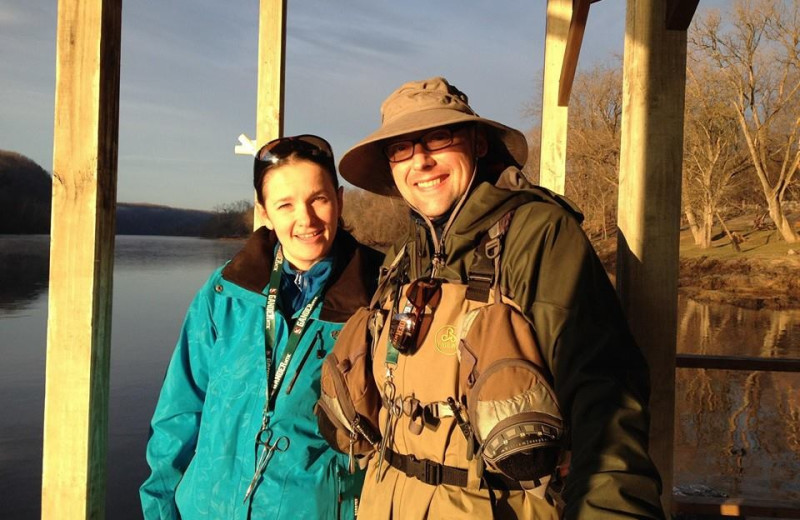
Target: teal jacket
201, 450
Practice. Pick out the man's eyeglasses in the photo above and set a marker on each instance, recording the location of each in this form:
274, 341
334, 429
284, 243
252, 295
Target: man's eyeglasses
404, 331
306, 145
436, 139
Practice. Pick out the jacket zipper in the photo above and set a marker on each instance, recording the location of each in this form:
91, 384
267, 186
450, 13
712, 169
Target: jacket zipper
339, 498
317, 337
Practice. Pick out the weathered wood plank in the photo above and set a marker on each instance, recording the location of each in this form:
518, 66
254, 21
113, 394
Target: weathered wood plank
553, 160
81, 258
649, 206
271, 72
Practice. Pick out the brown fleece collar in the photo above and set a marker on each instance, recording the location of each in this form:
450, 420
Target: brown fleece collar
349, 287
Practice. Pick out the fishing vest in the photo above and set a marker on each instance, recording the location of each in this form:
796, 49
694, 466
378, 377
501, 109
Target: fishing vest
470, 405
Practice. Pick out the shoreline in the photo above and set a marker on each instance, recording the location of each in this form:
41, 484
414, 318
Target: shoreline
752, 283
765, 275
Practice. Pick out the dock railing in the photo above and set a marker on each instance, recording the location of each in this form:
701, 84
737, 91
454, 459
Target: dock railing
725, 507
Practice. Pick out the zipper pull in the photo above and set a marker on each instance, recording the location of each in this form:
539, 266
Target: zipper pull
438, 263
351, 459
320, 345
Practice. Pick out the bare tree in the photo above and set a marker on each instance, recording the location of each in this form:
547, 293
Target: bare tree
531, 167
595, 117
714, 152
759, 53
373, 219
234, 219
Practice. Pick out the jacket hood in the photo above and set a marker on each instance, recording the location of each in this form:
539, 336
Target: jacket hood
350, 285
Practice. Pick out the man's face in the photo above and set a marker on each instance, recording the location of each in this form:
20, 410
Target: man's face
432, 181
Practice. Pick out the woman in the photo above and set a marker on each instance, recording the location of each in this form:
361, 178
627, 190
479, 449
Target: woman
234, 434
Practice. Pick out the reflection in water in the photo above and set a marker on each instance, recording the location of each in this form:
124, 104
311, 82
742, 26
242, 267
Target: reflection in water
24, 269
154, 280
737, 431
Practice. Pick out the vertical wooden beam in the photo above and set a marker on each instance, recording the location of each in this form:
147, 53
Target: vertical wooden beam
81, 258
553, 161
654, 78
271, 68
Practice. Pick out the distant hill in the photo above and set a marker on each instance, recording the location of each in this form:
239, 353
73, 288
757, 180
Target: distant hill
25, 189
25, 200
149, 219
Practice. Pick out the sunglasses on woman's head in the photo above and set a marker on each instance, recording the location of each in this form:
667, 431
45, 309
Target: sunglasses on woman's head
305, 145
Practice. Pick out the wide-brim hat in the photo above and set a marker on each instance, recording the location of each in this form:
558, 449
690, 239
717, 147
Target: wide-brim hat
416, 106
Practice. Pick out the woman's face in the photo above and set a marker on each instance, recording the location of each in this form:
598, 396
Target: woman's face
303, 208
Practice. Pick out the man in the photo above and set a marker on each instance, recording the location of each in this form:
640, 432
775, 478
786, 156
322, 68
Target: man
471, 207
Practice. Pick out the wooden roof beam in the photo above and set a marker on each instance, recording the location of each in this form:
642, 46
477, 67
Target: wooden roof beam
577, 26
679, 17
680, 14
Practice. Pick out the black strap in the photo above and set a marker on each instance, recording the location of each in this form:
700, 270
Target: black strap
436, 474
481, 273
485, 265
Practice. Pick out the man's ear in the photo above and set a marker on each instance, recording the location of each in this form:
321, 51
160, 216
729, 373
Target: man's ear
481, 143
262, 212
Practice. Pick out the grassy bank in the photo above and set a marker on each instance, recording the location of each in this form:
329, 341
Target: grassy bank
764, 274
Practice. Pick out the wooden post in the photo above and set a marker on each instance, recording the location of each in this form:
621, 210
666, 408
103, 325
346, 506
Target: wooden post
553, 161
81, 258
649, 206
271, 68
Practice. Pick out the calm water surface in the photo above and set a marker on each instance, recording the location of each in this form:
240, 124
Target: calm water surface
155, 278
737, 432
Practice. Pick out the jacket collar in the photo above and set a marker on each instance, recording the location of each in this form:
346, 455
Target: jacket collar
350, 285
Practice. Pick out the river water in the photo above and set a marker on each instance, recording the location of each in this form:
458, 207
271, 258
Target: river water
736, 432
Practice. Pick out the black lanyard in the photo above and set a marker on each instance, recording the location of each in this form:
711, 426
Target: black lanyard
294, 336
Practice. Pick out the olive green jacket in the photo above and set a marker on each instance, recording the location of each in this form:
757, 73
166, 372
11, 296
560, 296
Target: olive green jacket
550, 270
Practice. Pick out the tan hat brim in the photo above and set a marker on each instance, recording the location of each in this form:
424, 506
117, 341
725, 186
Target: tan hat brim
366, 166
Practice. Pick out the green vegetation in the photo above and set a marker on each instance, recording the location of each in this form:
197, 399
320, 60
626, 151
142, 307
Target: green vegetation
762, 273
757, 242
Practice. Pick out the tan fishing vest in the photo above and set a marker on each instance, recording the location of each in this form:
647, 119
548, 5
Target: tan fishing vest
429, 468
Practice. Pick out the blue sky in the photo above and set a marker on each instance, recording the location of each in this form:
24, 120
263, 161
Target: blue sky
188, 78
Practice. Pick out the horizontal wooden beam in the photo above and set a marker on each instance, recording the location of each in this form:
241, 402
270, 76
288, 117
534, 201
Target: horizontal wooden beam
735, 507
737, 363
